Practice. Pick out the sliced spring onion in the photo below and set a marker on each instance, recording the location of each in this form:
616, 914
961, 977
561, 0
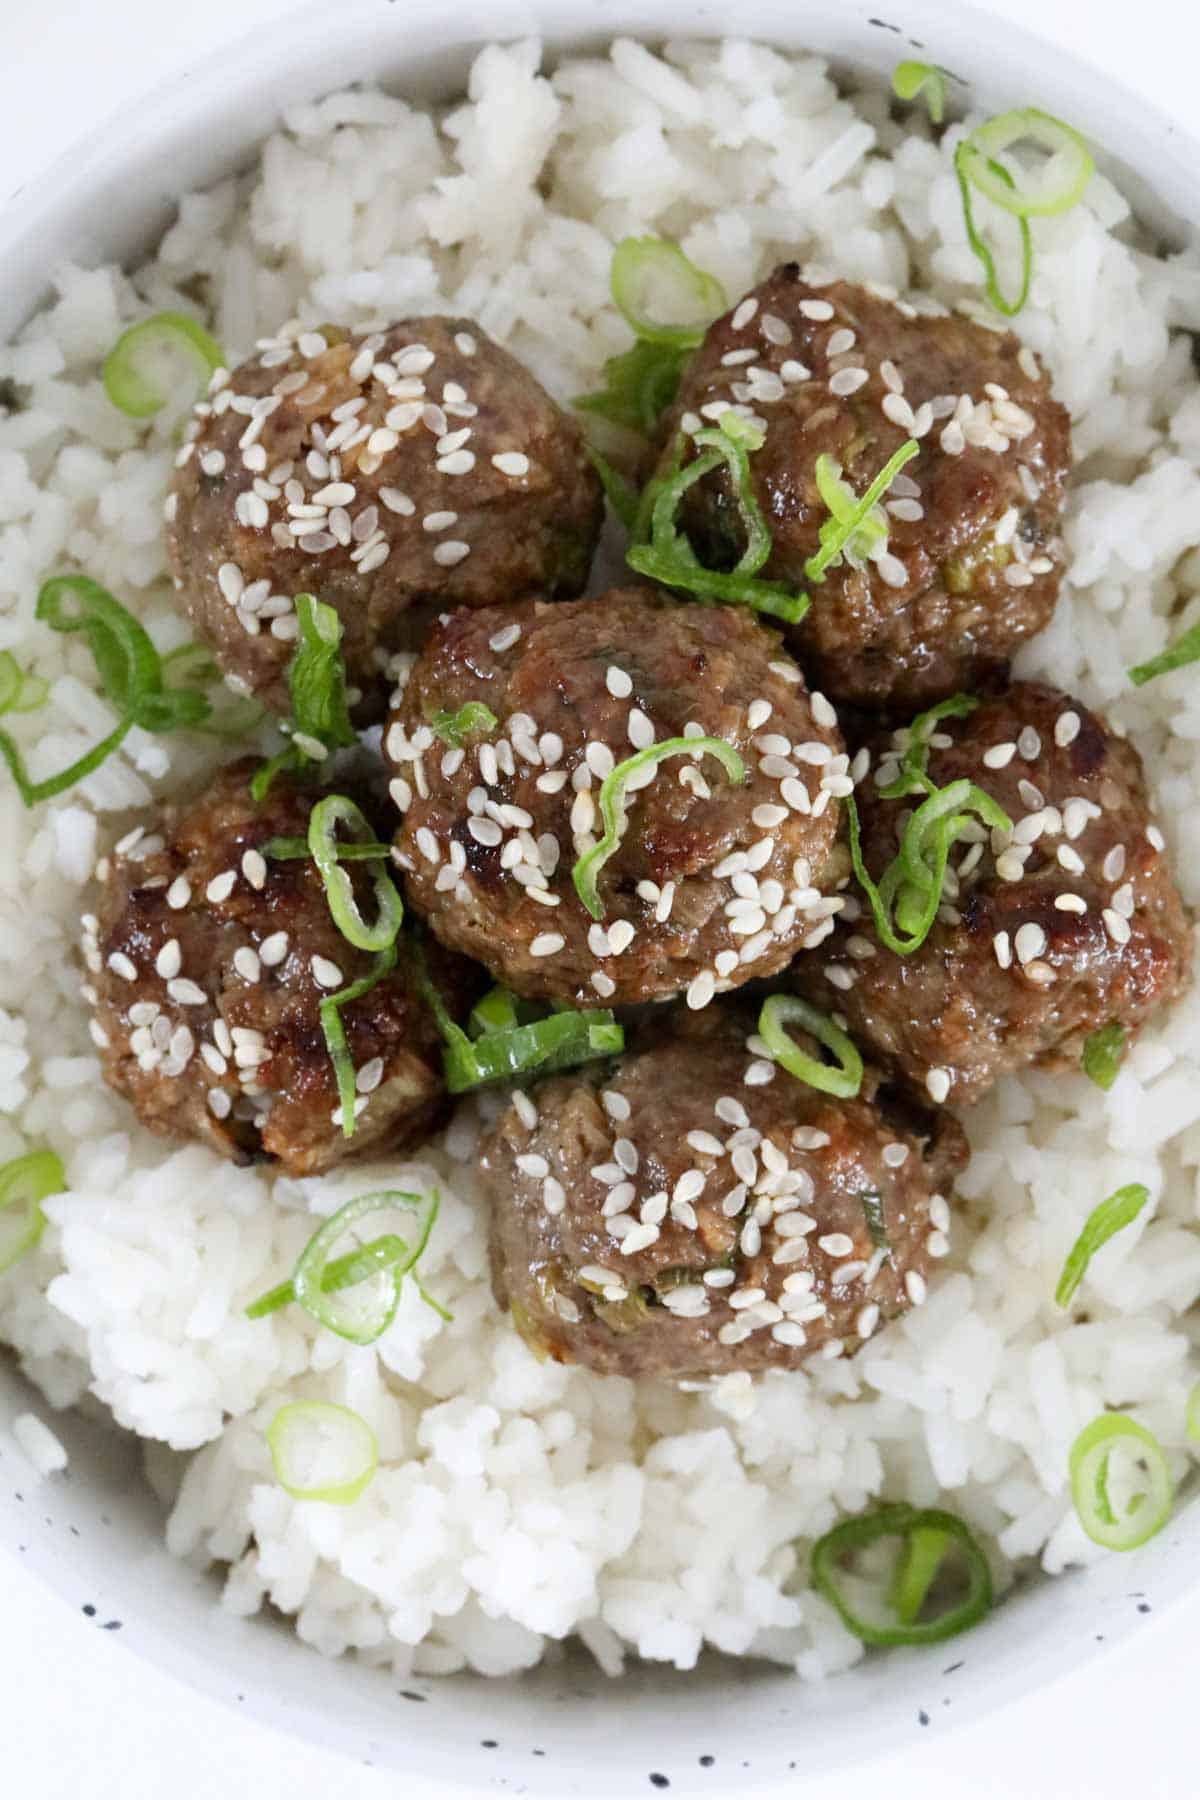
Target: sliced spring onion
561, 1041
455, 727
876, 1217
343, 1272
782, 1010
330, 1012
321, 1451
317, 686
1147, 1509
912, 78
138, 368
963, 168
361, 1311
913, 777
1103, 1222
283, 849
1103, 1053
20, 692
639, 385
497, 1011
323, 822
130, 671
192, 665
905, 902
836, 534
841, 501
504, 1049
621, 494
1193, 1414
1185, 650
643, 269
662, 553
1071, 166
612, 804
891, 1614
317, 676
24, 1184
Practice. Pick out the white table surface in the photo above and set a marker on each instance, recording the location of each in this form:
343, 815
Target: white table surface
80, 1715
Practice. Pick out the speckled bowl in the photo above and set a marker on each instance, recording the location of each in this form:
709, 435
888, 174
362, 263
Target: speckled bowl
95, 1534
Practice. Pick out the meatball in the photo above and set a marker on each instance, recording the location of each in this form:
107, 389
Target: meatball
697, 1210
415, 468
973, 558
1066, 924
712, 883
208, 964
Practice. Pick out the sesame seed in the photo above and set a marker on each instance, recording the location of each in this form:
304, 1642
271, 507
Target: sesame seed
326, 974
999, 755
547, 943
246, 962
186, 993
1029, 942
867, 1320
511, 462
640, 730
937, 1084
1113, 866
504, 639
273, 949
1002, 946
439, 521
450, 551
1117, 927
744, 314
836, 1243
1029, 743
254, 868
701, 990
820, 310
604, 984
122, 965
847, 381
169, 960
220, 1103
914, 1287
896, 408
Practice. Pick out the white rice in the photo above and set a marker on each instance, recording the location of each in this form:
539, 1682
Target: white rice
518, 1503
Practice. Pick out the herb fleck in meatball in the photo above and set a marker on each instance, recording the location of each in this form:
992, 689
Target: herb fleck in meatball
973, 557
208, 964
1067, 924
698, 1211
712, 883
414, 468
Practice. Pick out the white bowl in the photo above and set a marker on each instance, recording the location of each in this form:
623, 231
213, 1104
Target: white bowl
95, 1534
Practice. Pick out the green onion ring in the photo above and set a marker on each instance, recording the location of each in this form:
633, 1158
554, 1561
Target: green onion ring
24, 1184
317, 677
1103, 1222
1103, 1053
1185, 650
636, 262
497, 1011
782, 1010
321, 1451
376, 1293
454, 728
914, 760
323, 824
836, 542
564, 1040
1193, 1414
997, 135
639, 385
612, 804
913, 881
914, 1576
1147, 1512
330, 1013
127, 379
346, 1271
912, 78
1010, 308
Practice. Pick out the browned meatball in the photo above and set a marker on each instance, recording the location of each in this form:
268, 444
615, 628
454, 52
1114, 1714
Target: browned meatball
416, 467
1070, 922
697, 1210
209, 962
973, 557
712, 883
